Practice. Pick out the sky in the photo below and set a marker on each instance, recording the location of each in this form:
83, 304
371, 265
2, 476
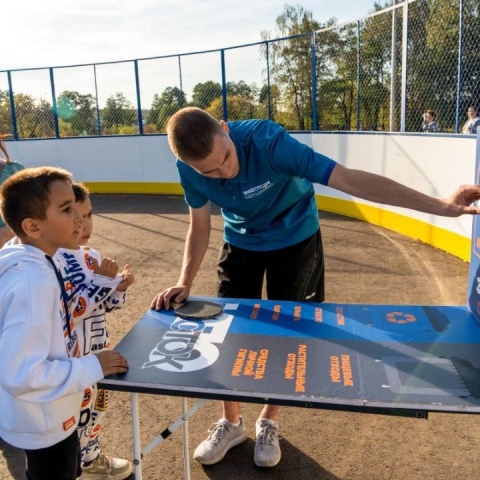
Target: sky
71, 32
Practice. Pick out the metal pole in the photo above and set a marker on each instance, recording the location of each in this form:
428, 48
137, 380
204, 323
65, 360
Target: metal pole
54, 104
137, 448
180, 77
460, 67
12, 106
99, 122
186, 454
393, 69
224, 86
358, 75
269, 100
314, 83
404, 67
139, 103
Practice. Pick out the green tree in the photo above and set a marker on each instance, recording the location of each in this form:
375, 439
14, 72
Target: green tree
238, 107
291, 62
5, 112
118, 112
164, 106
34, 118
77, 112
204, 94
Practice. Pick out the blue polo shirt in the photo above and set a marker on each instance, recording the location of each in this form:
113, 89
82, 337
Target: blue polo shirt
270, 204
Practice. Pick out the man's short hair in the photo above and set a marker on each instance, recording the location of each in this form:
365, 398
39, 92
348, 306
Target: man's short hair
26, 194
80, 191
191, 132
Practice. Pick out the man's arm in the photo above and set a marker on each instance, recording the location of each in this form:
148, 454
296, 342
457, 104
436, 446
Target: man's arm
196, 245
376, 188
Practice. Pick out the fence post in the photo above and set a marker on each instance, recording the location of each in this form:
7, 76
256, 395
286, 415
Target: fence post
459, 67
358, 75
314, 83
404, 66
269, 101
180, 79
54, 104
393, 73
139, 102
12, 106
99, 121
224, 86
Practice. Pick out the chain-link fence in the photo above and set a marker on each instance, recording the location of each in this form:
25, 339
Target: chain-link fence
381, 72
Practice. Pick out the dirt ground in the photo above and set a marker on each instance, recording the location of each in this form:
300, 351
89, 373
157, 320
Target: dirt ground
364, 264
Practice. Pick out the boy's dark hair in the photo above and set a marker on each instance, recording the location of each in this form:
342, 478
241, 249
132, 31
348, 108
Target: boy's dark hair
191, 132
26, 194
432, 113
80, 191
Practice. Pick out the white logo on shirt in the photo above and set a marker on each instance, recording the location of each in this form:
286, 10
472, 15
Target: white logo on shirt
258, 190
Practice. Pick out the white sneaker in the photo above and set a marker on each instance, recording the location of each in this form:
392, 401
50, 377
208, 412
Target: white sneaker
222, 437
107, 468
267, 448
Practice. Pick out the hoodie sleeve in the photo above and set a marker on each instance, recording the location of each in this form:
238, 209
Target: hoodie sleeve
35, 366
85, 293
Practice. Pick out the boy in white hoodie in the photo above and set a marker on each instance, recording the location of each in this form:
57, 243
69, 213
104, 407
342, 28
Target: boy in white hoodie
42, 375
94, 288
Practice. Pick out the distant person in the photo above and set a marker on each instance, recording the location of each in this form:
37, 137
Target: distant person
7, 168
430, 124
263, 180
473, 122
42, 376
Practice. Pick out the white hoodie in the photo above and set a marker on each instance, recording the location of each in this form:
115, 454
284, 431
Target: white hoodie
41, 388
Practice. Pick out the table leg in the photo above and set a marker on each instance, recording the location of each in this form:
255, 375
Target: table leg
186, 453
137, 449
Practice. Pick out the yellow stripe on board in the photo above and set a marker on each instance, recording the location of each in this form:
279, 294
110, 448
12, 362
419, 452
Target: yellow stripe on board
135, 187
438, 237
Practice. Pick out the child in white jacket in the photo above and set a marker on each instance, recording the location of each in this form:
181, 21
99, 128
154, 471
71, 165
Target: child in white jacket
94, 288
42, 375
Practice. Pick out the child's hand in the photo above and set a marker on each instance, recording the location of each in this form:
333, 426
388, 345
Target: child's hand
112, 362
108, 268
128, 279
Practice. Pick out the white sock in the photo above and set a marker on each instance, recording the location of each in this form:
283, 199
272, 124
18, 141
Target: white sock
234, 424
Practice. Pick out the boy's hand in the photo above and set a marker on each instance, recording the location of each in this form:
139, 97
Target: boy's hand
128, 279
112, 362
108, 268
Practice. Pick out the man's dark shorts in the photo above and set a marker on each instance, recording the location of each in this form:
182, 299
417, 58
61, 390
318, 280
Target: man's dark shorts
294, 273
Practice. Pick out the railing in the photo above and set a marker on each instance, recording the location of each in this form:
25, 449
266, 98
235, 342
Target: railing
379, 72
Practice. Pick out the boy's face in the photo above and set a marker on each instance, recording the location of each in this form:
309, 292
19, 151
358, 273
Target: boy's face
222, 162
62, 225
86, 211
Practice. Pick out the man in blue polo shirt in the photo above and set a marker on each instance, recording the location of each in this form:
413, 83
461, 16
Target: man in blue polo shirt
262, 178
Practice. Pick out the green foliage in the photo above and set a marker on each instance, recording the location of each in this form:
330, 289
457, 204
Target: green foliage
118, 112
349, 83
77, 114
163, 107
205, 93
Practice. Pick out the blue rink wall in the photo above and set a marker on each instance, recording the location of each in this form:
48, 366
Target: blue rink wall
433, 164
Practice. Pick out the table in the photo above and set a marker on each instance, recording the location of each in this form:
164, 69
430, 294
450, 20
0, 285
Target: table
388, 359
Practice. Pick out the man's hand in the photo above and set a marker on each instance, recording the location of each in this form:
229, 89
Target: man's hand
461, 200
108, 268
112, 362
127, 277
178, 293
